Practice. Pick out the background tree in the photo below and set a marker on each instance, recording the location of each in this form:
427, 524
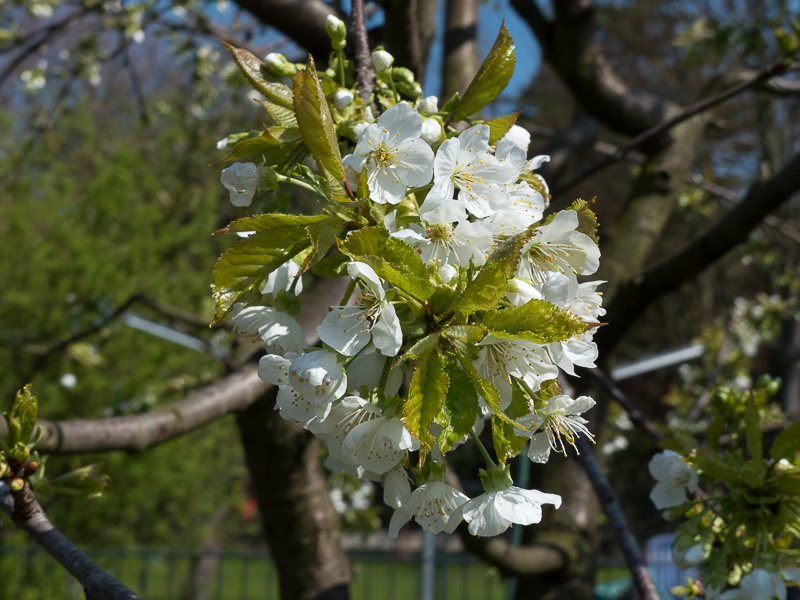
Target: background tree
689, 209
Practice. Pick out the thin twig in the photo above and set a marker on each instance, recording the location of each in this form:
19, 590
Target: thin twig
634, 413
619, 525
29, 516
365, 76
702, 106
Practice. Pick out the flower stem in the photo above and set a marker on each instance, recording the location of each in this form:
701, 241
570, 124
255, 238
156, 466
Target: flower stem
482, 448
348, 292
387, 366
340, 60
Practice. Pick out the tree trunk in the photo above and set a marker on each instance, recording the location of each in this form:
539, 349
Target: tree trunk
461, 59
411, 32
300, 523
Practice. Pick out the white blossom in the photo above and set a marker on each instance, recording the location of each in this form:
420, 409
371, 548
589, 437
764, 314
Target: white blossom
342, 99
348, 329
432, 505
431, 130
281, 332
689, 557
557, 247
674, 478
559, 420
381, 60
492, 512
428, 105
466, 163
241, 180
519, 136
395, 155
499, 360
282, 278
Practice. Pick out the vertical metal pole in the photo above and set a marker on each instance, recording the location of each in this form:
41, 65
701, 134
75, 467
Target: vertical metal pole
428, 579
521, 479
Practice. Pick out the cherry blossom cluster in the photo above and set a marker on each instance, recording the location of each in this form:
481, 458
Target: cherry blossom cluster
464, 302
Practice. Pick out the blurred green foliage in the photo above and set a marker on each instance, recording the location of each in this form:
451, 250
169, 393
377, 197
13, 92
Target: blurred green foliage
94, 210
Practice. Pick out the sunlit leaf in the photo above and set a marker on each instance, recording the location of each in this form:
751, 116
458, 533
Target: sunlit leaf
460, 408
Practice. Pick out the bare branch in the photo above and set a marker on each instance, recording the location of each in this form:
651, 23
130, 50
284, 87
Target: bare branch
569, 45
619, 525
301, 20
777, 86
637, 416
29, 516
636, 294
365, 76
699, 107
139, 432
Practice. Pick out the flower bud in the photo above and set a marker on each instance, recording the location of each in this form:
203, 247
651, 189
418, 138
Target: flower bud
17, 484
402, 74
431, 130
335, 27
4, 469
278, 65
31, 467
429, 105
241, 180
342, 99
381, 60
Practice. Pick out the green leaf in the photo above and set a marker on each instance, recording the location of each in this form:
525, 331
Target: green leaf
323, 237
492, 77
787, 444
722, 467
283, 135
242, 269
86, 482
470, 334
535, 321
460, 408
508, 444
393, 260
491, 284
587, 220
485, 388
425, 397
500, 126
332, 266
279, 115
421, 348
277, 223
266, 148
21, 418
251, 68
450, 105
753, 430
314, 119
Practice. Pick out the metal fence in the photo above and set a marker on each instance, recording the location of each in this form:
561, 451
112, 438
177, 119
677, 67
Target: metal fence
29, 573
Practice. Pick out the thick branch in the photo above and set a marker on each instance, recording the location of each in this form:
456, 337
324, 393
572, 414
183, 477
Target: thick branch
29, 516
301, 20
619, 525
365, 76
139, 432
636, 294
461, 60
657, 130
569, 45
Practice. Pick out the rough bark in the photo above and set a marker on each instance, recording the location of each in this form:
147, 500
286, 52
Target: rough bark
29, 516
301, 20
299, 520
627, 242
570, 45
461, 60
410, 33
638, 291
139, 432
